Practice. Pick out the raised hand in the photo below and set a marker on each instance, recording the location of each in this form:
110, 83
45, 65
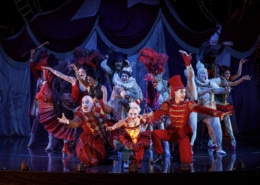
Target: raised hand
243, 60
186, 57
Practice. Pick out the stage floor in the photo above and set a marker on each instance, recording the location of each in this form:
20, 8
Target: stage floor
14, 151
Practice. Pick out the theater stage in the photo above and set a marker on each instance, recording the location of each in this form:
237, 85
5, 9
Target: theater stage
51, 168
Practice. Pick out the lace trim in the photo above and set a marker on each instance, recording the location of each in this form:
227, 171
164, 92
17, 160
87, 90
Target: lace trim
203, 84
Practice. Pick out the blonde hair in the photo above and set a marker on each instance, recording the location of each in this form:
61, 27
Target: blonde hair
134, 105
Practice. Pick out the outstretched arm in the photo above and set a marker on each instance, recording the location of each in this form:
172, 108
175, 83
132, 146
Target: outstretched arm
209, 111
81, 81
76, 122
32, 55
104, 64
190, 74
105, 67
104, 93
246, 77
116, 125
233, 77
67, 78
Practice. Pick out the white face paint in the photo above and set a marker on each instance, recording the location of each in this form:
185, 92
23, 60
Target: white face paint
203, 76
124, 77
82, 74
133, 114
86, 104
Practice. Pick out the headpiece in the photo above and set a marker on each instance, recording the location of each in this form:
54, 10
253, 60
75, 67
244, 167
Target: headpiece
223, 69
119, 56
80, 52
176, 83
154, 62
200, 67
127, 70
216, 35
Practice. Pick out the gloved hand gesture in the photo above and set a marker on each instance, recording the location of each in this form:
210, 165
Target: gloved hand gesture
186, 57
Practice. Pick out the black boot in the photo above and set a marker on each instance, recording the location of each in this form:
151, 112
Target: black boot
159, 158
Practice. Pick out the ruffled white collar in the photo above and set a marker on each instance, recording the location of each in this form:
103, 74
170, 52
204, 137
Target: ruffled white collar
200, 83
127, 85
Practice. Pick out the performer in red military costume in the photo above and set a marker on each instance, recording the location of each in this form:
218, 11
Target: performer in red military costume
179, 130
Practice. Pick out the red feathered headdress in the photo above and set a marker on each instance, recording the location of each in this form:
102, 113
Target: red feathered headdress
154, 62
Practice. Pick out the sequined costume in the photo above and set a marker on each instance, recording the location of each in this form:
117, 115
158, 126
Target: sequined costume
135, 138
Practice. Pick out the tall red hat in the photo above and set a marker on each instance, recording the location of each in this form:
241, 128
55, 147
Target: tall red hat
176, 83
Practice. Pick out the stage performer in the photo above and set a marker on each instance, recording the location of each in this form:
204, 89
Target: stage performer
91, 116
43, 59
156, 87
179, 130
133, 137
48, 116
228, 81
191, 92
125, 91
210, 50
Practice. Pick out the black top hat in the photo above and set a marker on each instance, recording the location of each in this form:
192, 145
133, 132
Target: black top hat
120, 56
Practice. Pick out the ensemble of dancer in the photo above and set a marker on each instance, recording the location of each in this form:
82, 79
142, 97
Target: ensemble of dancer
93, 101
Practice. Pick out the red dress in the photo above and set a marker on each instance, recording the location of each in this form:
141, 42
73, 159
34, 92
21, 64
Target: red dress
48, 117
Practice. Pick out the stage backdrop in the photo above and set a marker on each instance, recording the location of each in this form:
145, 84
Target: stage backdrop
128, 26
